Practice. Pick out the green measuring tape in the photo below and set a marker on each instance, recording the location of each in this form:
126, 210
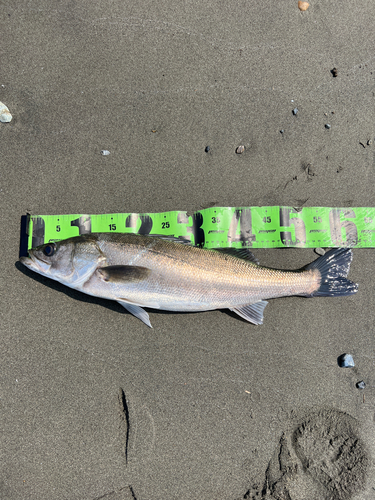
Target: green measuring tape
219, 227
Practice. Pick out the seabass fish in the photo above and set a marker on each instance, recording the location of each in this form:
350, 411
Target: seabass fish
142, 271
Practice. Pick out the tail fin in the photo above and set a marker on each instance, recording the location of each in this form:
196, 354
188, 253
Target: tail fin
334, 267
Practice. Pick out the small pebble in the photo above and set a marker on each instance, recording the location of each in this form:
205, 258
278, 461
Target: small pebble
360, 385
334, 72
311, 171
303, 5
369, 142
105, 152
346, 361
295, 111
240, 149
327, 126
5, 115
282, 131
319, 251
207, 149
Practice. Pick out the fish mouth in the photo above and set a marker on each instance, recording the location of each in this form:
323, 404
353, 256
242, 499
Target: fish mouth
26, 261
34, 265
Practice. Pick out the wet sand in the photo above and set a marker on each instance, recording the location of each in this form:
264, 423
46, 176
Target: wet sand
94, 404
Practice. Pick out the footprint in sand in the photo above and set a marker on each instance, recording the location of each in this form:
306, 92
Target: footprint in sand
322, 458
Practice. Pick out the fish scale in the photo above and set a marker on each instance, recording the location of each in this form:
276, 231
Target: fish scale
213, 277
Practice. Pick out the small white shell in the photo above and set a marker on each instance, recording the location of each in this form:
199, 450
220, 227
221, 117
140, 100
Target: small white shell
105, 152
5, 115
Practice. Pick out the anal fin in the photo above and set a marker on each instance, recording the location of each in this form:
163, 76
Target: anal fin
137, 311
253, 313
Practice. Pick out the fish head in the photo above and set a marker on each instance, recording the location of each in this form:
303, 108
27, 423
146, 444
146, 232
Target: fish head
71, 261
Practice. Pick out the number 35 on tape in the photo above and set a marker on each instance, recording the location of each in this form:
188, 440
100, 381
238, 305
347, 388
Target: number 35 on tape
219, 227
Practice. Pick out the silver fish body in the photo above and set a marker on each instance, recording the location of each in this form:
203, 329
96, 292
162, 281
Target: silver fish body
141, 271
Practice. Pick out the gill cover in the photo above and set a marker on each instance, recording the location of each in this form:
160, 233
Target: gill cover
70, 261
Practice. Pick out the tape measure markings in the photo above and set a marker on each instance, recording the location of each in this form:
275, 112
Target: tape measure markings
222, 227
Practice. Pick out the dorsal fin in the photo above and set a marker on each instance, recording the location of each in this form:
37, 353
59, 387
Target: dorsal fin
174, 239
240, 253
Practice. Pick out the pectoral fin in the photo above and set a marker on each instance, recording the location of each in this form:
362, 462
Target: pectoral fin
136, 311
252, 312
123, 274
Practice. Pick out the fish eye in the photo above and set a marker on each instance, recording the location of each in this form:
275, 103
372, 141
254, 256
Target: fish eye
49, 250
